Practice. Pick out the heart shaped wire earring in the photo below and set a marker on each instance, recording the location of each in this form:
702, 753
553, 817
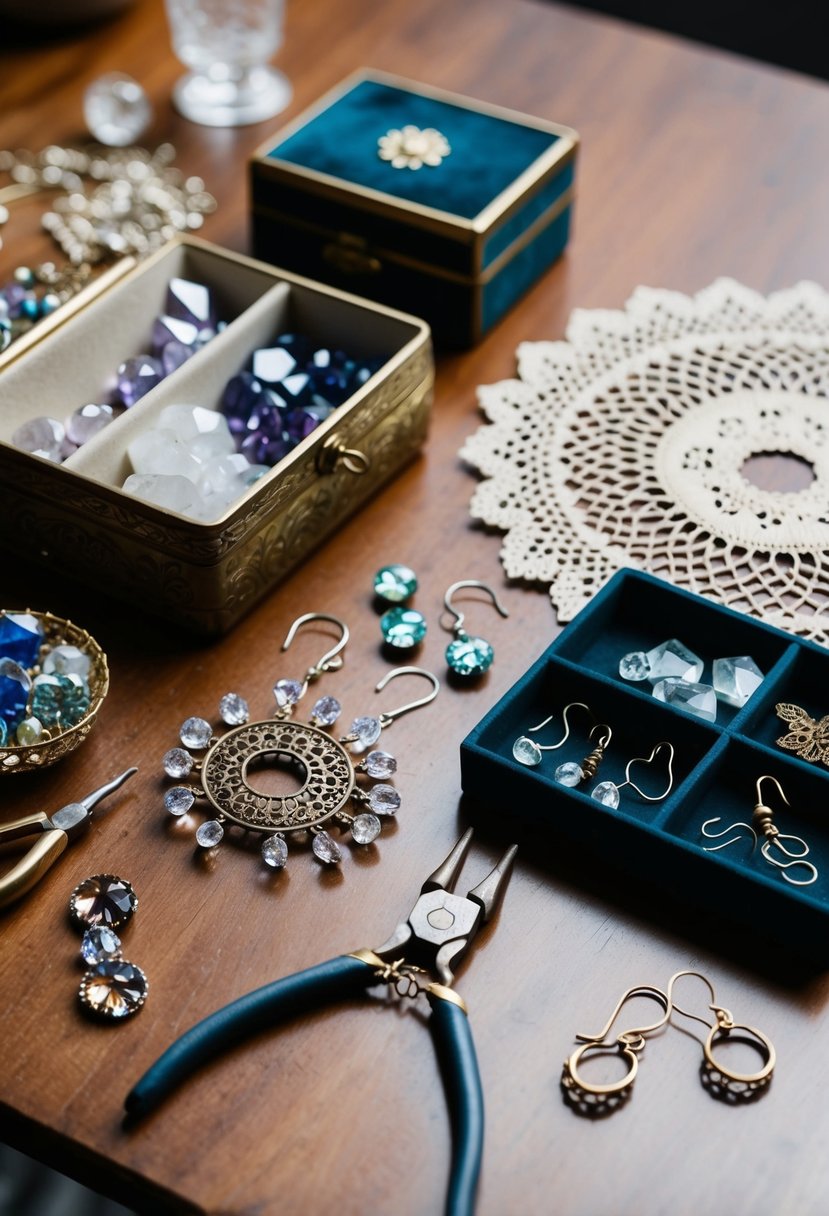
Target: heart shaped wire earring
469, 657
607, 792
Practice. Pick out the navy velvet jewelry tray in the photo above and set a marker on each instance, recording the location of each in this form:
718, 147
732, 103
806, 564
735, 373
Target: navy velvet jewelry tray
716, 765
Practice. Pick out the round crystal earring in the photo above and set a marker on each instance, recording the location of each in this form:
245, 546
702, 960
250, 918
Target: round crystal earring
403, 628
469, 657
607, 792
111, 988
572, 774
527, 751
395, 584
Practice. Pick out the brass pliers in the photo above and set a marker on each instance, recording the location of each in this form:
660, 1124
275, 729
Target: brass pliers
435, 936
53, 833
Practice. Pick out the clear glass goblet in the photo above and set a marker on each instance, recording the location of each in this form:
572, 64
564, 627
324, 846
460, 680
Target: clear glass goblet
227, 45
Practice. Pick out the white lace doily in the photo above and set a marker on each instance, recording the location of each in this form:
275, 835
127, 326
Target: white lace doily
624, 446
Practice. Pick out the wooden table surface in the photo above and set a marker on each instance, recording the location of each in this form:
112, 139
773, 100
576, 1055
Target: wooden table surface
694, 165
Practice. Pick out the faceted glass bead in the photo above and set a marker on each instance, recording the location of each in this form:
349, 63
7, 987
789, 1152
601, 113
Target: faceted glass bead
209, 833
275, 852
300, 423
634, 666
136, 377
380, 764
526, 751
736, 679
569, 774
191, 302
196, 733
233, 709
607, 793
116, 110
66, 661
99, 944
177, 762
179, 799
20, 638
175, 355
367, 731
29, 732
42, 437
384, 800
173, 329
697, 699
365, 828
287, 693
326, 848
241, 393
403, 628
260, 448
87, 421
103, 899
325, 711
672, 658
469, 657
273, 365
114, 989
395, 584
295, 390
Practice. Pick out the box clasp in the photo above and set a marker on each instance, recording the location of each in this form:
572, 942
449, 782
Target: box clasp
350, 255
334, 455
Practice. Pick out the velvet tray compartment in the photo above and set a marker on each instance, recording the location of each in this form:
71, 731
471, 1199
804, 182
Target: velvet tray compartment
456, 242
716, 764
204, 575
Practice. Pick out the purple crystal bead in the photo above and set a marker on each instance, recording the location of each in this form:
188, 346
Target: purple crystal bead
267, 417
300, 424
87, 421
174, 355
191, 302
263, 449
272, 365
136, 377
173, 329
240, 396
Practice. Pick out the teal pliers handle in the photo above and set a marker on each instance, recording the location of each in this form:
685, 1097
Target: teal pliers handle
339, 979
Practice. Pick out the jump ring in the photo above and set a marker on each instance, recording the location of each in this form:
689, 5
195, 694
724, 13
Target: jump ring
571, 1066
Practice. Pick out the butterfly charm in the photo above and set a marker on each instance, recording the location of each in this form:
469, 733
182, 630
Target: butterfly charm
806, 738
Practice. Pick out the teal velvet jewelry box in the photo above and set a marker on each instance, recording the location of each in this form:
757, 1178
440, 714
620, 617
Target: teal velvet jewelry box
716, 765
456, 239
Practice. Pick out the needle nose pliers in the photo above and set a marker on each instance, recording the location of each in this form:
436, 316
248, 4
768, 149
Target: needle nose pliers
438, 932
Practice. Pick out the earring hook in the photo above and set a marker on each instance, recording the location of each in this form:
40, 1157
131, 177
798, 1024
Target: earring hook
460, 616
716, 835
331, 660
724, 1018
649, 760
635, 1037
551, 747
774, 781
390, 715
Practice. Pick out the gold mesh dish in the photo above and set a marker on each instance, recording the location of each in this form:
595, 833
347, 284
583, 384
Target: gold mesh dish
56, 743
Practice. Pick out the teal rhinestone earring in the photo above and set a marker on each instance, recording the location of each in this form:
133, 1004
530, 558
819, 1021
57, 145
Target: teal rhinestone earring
469, 657
395, 584
403, 628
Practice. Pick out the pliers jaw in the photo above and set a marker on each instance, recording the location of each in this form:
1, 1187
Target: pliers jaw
441, 926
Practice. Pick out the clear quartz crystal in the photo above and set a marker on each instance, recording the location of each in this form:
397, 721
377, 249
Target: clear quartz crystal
697, 699
177, 763
275, 851
326, 710
326, 848
634, 666
173, 493
736, 679
210, 833
365, 828
67, 660
384, 800
179, 799
287, 693
569, 774
233, 709
196, 733
673, 658
87, 421
367, 731
42, 437
607, 793
526, 751
380, 764
99, 944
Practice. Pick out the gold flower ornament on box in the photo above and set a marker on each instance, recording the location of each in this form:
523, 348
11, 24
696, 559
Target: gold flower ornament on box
410, 147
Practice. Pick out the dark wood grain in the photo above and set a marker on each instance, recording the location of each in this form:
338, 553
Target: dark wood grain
694, 165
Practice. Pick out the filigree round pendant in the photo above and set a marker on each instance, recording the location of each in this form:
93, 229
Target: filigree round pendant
326, 771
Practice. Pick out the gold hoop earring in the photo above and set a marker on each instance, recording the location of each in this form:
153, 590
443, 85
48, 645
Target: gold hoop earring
721, 1082
597, 1101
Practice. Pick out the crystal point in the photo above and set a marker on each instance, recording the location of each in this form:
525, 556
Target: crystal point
673, 659
736, 679
697, 699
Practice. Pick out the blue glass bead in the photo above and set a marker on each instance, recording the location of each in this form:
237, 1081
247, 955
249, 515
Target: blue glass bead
20, 639
469, 657
60, 700
29, 309
238, 399
403, 628
13, 698
395, 584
